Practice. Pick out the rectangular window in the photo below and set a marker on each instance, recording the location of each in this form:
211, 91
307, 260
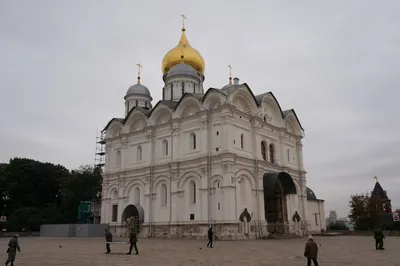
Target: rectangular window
192, 216
114, 213
316, 220
219, 206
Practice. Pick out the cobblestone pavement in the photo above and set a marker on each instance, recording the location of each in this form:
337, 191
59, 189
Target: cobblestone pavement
345, 250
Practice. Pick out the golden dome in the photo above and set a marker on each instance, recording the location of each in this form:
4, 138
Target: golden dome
190, 56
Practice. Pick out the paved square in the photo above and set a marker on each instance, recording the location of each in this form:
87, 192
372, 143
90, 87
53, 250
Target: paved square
345, 250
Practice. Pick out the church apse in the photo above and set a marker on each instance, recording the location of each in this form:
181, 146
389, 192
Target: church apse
276, 187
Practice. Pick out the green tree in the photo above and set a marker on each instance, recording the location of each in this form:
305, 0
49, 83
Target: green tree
83, 184
33, 184
364, 212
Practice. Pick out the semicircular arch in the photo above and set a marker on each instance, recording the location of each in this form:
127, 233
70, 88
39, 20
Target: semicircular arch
187, 106
248, 175
188, 175
161, 114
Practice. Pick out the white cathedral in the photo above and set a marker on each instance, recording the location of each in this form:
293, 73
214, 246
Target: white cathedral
224, 158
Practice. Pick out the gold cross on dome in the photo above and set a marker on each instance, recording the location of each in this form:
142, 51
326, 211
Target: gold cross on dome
139, 67
183, 20
230, 71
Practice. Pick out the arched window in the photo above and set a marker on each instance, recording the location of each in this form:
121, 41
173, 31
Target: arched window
271, 153
183, 88
192, 189
139, 153
243, 190
288, 155
164, 195
137, 102
193, 141
165, 147
172, 90
118, 158
137, 195
241, 141
264, 150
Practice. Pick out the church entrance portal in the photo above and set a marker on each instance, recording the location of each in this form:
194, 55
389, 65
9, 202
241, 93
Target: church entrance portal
133, 216
276, 187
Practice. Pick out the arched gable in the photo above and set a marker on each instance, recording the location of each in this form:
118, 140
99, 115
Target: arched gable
188, 105
248, 175
213, 98
131, 185
243, 99
114, 129
293, 122
135, 121
160, 114
271, 109
186, 176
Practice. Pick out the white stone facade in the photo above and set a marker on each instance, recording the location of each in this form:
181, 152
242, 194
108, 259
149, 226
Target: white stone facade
199, 161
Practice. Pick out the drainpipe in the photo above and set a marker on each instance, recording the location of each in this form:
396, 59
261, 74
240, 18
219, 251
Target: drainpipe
151, 181
170, 176
256, 174
209, 165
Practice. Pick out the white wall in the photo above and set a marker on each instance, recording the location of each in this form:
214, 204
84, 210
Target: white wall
317, 222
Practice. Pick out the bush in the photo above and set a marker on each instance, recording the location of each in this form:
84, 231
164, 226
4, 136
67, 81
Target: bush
338, 225
29, 218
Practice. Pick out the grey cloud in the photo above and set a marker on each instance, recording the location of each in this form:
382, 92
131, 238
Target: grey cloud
66, 66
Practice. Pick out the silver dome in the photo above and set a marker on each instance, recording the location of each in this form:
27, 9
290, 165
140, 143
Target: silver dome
138, 89
182, 70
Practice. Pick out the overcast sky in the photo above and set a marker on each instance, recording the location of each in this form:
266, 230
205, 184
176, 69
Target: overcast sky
65, 67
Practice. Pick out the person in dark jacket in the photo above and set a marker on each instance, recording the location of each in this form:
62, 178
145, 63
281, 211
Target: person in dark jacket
311, 251
133, 241
210, 237
109, 238
13, 246
379, 236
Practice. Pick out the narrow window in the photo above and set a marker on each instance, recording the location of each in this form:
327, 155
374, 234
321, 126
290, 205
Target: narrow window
139, 153
163, 195
172, 89
118, 158
114, 215
271, 153
288, 155
219, 206
183, 88
145, 104
137, 195
137, 102
217, 184
243, 190
193, 141
241, 141
192, 190
264, 150
217, 133
165, 147
194, 87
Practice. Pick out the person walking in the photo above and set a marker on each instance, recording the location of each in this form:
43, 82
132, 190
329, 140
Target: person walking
379, 236
133, 241
311, 251
109, 238
13, 246
210, 238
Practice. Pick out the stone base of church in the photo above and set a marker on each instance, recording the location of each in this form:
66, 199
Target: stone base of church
234, 230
